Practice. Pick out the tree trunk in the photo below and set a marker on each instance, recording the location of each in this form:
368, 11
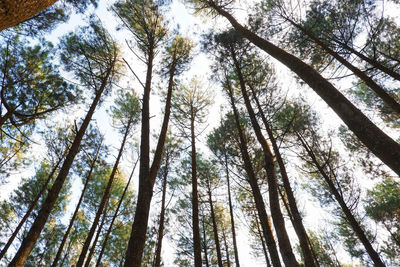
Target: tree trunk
205, 244
195, 198
379, 91
13, 12
215, 227
309, 257
30, 240
147, 176
258, 199
347, 212
105, 197
71, 222
384, 147
29, 211
228, 260
262, 243
157, 261
93, 248
114, 217
279, 222
235, 248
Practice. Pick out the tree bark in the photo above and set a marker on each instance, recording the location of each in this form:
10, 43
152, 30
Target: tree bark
157, 261
258, 199
215, 227
205, 244
13, 12
279, 222
71, 222
346, 210
384, 147
103, 247
30, 240
262, 243
195, 198
228, 260
106, 196
309, 257
235, 248
29, 211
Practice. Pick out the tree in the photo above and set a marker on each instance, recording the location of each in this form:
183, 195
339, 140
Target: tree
189, 105
97, 55
384, 147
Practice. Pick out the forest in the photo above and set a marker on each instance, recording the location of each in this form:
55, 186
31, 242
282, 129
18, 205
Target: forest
149, 133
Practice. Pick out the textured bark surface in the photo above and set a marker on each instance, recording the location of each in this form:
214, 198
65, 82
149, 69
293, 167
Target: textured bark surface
215, 229
383, 146
13, 12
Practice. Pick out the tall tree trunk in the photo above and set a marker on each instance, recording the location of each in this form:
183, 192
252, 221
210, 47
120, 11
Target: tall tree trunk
228, 260
195, 198
258, 199
235, 248
93, 248
309, 257
105, 197
13, 12
205, 244
346, 210
30, 240
103, 247
279, 222
29, 211
388, 99
384, 147
215, 227
262, 242
157, 261
71, 222
147, 176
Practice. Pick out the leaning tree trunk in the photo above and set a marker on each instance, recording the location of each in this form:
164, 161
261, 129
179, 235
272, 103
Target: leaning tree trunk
384, 147
29, 211
30, 240
379, 91
147, 176
215, 228
103, 247
13, 12
71, 222
235, 248
258, 199
277, 217
106, 196
346, 210
309, 257
262, 242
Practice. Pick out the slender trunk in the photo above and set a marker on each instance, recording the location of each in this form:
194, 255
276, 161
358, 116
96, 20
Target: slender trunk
93, 248
29, 211
388, 99
30, 240
66, 255
13, 12
346, 210
309, 257
228, 260
262, 243
258, 199
369, 60
279, 222
147, 176
71, 222
205, 244
384, 147
114, 217
105, 197
215, 228
195, 198
235, 248
4, 118
157, 262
